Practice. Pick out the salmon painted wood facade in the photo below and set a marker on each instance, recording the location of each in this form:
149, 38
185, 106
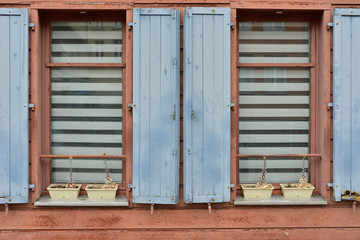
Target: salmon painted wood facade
185, 98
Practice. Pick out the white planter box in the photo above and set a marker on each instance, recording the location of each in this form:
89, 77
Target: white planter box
295, 192
64, 193
250, 191
94, 191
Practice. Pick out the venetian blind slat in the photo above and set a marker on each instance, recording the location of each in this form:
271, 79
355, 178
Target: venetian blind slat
86, 42
86, 119
273, 119
274, 42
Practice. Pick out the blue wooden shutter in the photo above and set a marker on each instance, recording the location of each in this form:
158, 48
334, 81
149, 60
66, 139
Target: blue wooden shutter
207, 105
14, 139
346, 101
156, 106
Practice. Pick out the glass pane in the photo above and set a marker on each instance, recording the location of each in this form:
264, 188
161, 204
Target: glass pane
274, 42
86, 119
274, 107
86, 42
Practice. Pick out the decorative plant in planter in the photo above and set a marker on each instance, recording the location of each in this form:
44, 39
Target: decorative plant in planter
70, 190
103, 191
259, 190
302, 189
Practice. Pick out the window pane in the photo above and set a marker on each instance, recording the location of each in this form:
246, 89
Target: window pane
274, 42
273, 119
86, 119
86, 42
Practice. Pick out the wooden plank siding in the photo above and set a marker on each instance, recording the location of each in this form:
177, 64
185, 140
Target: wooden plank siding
336, 220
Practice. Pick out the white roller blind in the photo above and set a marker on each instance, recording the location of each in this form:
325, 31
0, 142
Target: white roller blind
86, 119
86, 42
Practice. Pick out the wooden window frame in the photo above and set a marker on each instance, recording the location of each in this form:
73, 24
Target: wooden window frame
85, 15
274, 16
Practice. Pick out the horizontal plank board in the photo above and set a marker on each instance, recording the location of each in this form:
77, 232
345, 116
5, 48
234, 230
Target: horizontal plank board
273, 86
284, 24
86, 138
65, 112
87, 73
86, 48
274, 100
273, 125
87, 163
273, 112
273, 138
272, 150
262, 35
86, 150
86, 35
278, 48
86, 59
87, 99
76, 125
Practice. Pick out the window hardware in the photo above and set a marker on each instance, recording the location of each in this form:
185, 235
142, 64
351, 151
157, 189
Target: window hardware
31, 106
32, 26
232, 25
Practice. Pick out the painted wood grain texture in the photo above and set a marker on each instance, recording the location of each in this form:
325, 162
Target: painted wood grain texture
346, 101
206, 105
14, 169
156, 99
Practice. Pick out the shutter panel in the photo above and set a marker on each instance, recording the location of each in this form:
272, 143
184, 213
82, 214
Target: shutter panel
156, 101
346, 101
206, 105
14, 140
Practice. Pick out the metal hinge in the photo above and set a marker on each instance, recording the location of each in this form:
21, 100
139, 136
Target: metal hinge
189, 151
232, 25
329, 25
173, 197
131, 25
173, 14
131, 106
173, 151
131, 186
31, 186
174, 61
189, 197
329, 105
189, 61
189, 13
32, 26
330, 185
31, 106
173, 114
192, 114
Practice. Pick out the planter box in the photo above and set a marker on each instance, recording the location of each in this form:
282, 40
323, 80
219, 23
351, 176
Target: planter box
295, 192
59, 191
95, 191
250, 191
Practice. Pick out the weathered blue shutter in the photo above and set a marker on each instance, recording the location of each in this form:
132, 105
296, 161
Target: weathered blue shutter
14, 139
207, 105
346, 101
156, 106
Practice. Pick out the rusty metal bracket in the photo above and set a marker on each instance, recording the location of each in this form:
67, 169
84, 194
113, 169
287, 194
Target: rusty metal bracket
352, 196
209, 207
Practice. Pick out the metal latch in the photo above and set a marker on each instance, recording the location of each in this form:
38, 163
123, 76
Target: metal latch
174, 61
173, 151
131, 25
31, 106
329, 105
329, 25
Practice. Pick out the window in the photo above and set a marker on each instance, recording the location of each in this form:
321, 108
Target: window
275, 67
86, 95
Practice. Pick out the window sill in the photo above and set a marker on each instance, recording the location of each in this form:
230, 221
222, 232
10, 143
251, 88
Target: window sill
280, 200
82, 201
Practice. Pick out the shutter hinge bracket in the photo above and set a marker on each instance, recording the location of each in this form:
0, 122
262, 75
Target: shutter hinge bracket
329, 105
173, 151
31, 186
232, 106
131, 106
32, 26
31, 106
189, 61
329, 25
174, 61
330, 185
131, 25
131, 186
232, 25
